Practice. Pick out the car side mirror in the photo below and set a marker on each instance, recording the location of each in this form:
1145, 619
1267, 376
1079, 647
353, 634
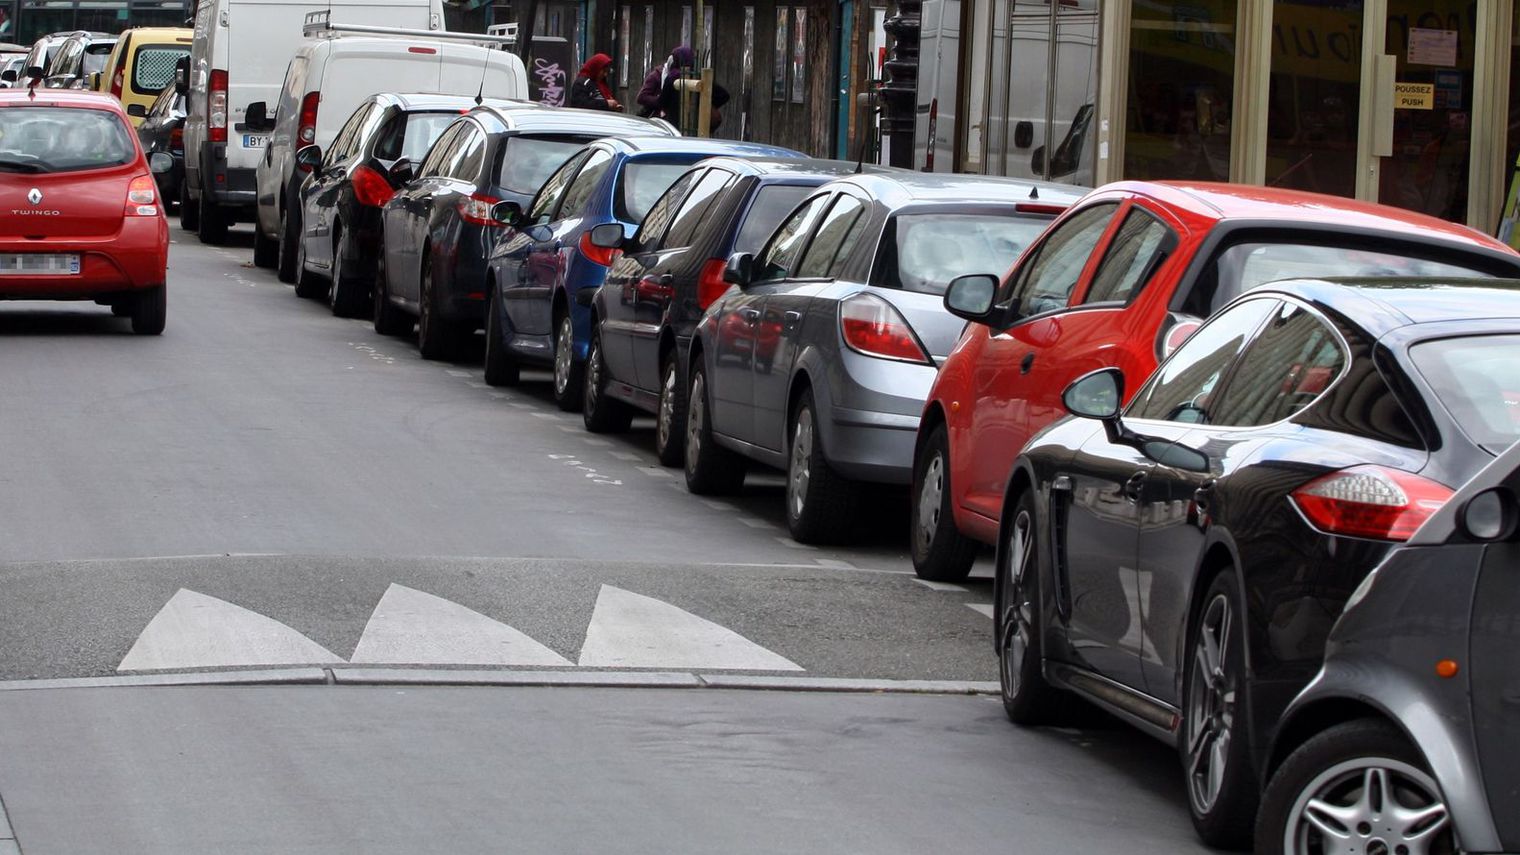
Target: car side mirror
971, 297
739, 269
182, 79
160, 162
1490, 515
607, 236
1095, 395
94, 83
308, 157
137, 110
34, 72
8, 75
401, 172
256, 117
507, 213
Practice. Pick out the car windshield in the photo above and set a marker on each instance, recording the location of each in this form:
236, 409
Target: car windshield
527, 161
923, 252
1477, 379
642, 184
59, 139
153, 69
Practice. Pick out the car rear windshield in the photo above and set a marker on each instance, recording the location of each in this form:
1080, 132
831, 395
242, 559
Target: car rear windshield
527, 162
1477, 379
765, 213
422, 130
61, 139
923, 252
96, 56
642, 184
153, 67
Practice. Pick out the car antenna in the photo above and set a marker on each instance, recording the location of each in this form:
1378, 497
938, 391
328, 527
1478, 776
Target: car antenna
481, 92
1034, 192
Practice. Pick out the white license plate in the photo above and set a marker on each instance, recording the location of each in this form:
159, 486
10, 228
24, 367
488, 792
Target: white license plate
57, 264
255, 140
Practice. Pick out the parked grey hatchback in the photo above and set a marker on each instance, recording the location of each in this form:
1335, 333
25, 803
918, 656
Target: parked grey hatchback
1408, 740
818, 361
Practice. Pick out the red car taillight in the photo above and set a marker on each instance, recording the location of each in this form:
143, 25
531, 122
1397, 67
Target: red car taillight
872, 326
370, 187
710, 284
117, 80
177, 140
216, 106
476, 208
306, 127
142, 196
597, 254
1370, 501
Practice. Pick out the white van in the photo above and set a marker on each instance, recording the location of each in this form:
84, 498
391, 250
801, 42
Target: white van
239, 56
327, 80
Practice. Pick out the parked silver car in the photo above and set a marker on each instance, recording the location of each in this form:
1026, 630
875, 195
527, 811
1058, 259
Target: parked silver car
1408, 740
819, 361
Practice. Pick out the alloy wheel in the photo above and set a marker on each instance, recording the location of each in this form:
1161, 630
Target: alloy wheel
593, 373
931, 495
664, 419
1370, 806
1018, 609
1210, 706
695, 416
802, 456
562, 345
425, 304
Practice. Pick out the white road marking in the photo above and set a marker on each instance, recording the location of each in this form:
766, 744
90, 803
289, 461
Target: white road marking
411, 627
983, 609
521, 405
718, 506
475, 384
196, 631
835, 564
455, 372
787, 541
600, 443
625, 455
752, 522
545, 415
938, 586
570, 428
654, 471
631, 630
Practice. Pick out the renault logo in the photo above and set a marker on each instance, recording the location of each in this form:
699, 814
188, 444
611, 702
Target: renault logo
34, 196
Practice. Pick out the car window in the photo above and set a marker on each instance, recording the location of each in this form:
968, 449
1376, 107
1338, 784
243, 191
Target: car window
1477, 379
1134, 254
526, 162
95, 56
549, 195
585, 183
442, 150
652, 230
837, 234
780, 255
923, 252
641, 184
61, 139
343, 143
163, 104
471, 156
410, 135
1044, 283
153, 66
1294, 358
770, 204
696, 207
1181, 388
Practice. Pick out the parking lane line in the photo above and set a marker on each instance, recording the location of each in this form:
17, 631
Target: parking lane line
938, 586
983, 609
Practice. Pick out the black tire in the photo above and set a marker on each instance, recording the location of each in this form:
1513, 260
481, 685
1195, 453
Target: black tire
569, 375
348, 295
820, 503
266, 250
309, 285
600, 413
711, 470
290, 239
670, 416
189, 209
1028, 699
149, 309
212, 227
940, 552
387, 318
502, 368
1214, 709
1327, 767
437, 337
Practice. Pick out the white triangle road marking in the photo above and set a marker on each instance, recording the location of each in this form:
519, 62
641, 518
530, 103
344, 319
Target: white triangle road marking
631, 630
197, 631
411, 627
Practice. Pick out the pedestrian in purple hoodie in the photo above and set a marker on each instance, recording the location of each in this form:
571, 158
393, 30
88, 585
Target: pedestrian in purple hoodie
658, 97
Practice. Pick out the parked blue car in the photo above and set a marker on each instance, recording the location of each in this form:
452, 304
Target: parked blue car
542, 274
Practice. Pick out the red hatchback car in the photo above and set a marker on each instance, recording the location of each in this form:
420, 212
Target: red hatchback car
1120, 280
80, 217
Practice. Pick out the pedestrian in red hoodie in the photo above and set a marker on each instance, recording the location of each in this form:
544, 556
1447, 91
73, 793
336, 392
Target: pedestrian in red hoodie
591, 90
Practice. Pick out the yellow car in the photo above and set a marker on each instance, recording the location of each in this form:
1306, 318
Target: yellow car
142, 65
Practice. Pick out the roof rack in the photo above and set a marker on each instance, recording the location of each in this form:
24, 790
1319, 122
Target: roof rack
319, 23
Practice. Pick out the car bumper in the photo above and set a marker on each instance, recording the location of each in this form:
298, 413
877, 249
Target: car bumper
133, 258
873, 414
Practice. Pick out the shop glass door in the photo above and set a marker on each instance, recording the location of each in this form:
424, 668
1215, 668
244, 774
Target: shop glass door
1314, 96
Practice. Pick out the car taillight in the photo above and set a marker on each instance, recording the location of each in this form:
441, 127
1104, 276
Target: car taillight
710, 284
476, 208
117, 80
1370, 501
597, 254
872, 326
177, 140
370, 187
216, 106
306, 128
142, 196
1174, 332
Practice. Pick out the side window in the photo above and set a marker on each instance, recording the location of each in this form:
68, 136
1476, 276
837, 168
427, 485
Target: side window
694, 210
391, 136
664, 209
1045, 283
773, 202
549, 194
471, 156
1134, 254
580, 190
836, 237
1295, 358
439, 153
343, 144
780, 255
1182, 389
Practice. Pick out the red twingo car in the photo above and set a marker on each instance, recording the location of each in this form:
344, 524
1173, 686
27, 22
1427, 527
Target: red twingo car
1120, 280
80, 217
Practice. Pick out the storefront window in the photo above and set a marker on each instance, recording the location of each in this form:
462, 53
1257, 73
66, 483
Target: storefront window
1315, 95
1182, 79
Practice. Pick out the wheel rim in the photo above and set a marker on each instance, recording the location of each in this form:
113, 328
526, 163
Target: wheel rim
379, 295
562, 344
337, 273
593, 373
802, 456
1373, 806
1018, 610
931, 495
664, 426
425, 311
1211, 705
694, 418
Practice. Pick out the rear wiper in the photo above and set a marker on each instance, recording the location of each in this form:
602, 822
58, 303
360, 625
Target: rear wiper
22, 165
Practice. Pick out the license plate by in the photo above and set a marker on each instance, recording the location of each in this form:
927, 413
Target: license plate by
255, 140
37, 263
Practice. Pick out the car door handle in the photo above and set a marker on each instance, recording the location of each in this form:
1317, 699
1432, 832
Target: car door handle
1133, 486
791, 317
1203, 494
750, 315
1026, 363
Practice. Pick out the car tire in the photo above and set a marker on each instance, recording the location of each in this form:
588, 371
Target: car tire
347, 294
290, 238
820, 503
1028, 699
309, 286
437, 337
502, 368
940, 552
600, 413
149, 310
387, 318
266, 250
1222, 803
569, 375
711, 470
670, 415
189, 209
212, 225
1337, 769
